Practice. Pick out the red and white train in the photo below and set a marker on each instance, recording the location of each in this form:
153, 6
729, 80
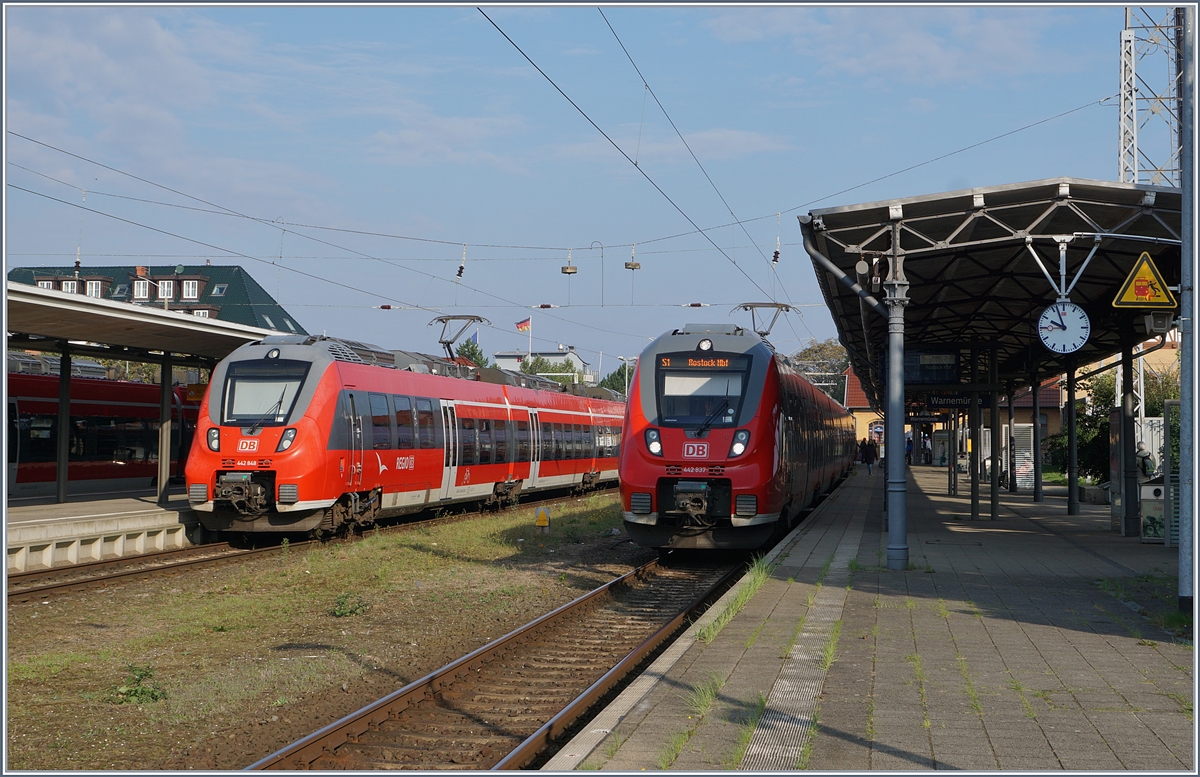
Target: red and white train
725, 442
113, 443
315, 434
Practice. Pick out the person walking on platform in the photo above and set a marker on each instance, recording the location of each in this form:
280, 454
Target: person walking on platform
908, 449
869, 454
1145, 463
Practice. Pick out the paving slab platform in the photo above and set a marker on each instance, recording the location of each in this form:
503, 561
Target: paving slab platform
997, 649
40, 534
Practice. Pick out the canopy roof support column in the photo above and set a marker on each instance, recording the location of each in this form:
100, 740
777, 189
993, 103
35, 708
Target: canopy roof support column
1012, 437
993, 378
974, 423
1187, 394
164, 429
1035, 381
1129, 480
897, 298
1072, 444
62, 454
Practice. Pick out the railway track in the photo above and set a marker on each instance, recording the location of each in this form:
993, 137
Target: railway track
503, 704
28, 586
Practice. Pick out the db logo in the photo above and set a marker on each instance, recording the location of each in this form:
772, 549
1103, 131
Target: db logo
695, 450
247, 446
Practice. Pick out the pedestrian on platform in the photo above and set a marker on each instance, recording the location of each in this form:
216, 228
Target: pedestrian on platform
1145, 463
908, 449
869, 454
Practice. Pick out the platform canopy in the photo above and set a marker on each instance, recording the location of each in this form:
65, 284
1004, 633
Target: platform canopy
40, 318
974, 282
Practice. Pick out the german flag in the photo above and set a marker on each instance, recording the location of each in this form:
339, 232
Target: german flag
523, 326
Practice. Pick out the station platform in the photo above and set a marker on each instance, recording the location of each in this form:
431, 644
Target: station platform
41, 533
998, 649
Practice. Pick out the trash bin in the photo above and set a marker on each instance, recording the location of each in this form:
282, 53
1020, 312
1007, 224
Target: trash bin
1152, 492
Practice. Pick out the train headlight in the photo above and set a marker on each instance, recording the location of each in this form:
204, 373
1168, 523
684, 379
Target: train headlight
214, 439
741, 440
654, 441
285, 442
706, 345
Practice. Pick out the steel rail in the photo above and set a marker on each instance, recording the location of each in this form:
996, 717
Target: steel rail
553, 728
302, 753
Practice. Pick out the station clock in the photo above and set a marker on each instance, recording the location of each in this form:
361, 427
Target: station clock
1064, 327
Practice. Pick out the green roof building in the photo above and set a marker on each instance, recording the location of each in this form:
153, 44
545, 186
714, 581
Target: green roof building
226, 292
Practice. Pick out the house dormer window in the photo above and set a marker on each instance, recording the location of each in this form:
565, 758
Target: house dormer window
191, 289
141, 289
45, 284
166, 289
93, 289
70, 287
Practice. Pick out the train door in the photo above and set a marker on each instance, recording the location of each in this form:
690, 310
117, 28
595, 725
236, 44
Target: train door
14, 446
535, 447
450, 459
354, 474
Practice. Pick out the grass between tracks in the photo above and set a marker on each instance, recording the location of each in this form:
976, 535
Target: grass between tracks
253, 653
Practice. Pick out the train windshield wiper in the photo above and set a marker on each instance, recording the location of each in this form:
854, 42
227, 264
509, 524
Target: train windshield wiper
713, 416
270, 411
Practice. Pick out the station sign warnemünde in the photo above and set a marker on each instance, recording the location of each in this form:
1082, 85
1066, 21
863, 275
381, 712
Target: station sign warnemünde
950, 399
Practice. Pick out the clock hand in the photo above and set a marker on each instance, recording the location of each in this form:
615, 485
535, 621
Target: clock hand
1061, 323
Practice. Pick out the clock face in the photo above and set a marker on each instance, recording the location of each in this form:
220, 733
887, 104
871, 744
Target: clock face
1064, 327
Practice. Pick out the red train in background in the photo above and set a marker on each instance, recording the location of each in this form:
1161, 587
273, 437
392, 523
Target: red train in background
321, 435
725, 442
113, 434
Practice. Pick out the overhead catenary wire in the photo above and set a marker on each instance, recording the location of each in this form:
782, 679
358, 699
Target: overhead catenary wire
622, 153
312, 276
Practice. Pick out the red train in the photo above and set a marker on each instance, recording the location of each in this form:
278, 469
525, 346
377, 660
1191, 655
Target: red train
315, 434
725, 442
114, 434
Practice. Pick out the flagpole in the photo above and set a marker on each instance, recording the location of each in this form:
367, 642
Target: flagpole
531, 336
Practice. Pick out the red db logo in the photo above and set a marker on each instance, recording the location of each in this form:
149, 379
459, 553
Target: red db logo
695, 450
247, 446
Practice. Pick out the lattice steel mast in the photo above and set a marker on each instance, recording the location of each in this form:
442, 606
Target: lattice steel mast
1151, 64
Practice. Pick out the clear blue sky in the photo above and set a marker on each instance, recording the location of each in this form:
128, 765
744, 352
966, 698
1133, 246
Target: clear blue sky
426, 123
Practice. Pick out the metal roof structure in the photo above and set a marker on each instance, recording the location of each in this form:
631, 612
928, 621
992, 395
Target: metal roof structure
974, 280
38, 318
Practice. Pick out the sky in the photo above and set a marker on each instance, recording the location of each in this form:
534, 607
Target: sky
345, 155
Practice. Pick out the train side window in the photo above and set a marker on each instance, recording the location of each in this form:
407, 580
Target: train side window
405, 437
426, 428
589, 450
547, 441
14, 432
500, 429
522, 441
381, 424
559, 447
577, 441
484, 428
466, 441
569, 440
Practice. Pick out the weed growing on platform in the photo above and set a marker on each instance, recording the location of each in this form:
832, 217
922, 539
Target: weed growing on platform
1020, 689
754, 635
972, 694
756, 709
672, 749
919, 670
871, 718
757, 575
1185, 704
700, 700
807, 750
795, 635
829, 652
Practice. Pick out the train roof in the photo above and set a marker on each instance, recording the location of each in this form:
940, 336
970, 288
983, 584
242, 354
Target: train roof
355, 352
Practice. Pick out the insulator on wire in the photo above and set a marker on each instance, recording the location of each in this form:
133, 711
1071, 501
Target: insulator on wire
462, 265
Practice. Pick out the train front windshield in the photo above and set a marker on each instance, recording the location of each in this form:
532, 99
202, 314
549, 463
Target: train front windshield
262, 392
701, 391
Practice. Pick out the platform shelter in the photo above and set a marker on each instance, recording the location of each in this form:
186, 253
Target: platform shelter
942, 295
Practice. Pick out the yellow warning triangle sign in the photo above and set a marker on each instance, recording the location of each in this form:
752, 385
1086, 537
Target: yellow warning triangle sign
1144, 288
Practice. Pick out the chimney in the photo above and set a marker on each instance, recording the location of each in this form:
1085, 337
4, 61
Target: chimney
141, 271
